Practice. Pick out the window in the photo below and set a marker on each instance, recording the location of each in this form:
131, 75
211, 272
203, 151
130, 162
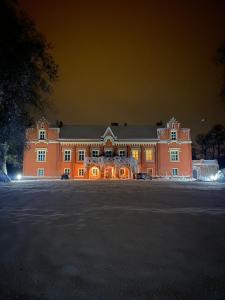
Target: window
67, 171
122, 172
67, 155
122, 153
108, 153
81, 155
174, 155
40, 172
173, 135
94, 171
175, 172
95, 153
81, 172
42, 135
135, 154
41, 155
148, 154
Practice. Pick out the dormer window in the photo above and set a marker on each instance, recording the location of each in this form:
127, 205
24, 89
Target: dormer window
42, 134
173, 135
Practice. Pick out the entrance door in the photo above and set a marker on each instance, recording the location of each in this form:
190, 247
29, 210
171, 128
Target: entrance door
108, 172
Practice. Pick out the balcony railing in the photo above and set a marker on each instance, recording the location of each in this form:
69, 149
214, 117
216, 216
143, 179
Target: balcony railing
117, 161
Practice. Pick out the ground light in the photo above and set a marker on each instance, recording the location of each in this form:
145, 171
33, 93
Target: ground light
19, 176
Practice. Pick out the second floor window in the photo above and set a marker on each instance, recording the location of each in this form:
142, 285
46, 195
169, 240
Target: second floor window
42, 135
41, 155
149, 154
135, 154
173, 135
108, 153
174, 155
67, 155
95, 153
122, 153
81, 155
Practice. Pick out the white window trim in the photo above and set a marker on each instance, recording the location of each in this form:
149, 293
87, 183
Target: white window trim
178, 152
108, 149
150, 149
177, 172
173, 131
95, 168
39, 133
97, 150
78, 172
67, 169
64, 150
124, 150
38, 172
78, 152
37, 151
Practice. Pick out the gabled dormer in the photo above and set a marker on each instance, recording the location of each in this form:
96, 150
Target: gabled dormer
108, 136
42, 126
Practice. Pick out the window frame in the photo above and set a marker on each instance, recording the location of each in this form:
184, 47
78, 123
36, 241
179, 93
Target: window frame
172, 153
146, 151
79, 155
95, 150
65, 172
138, 152
124, 151
38, 155
92, 173
38, 172
39, 134
70, 155
173, 138
79, 173
107, 151
177, 172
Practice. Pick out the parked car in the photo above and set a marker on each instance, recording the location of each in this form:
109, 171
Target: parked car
142, 176
65, 176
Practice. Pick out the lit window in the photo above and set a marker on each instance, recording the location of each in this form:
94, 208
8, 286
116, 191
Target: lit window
81, 172
94, 171
173, 135
108, 153
95, 153
148, 154
67, 155
174, 155
122, 172
42, 135
122, 153
81, 155
135, 154
175, 172
41, 155
41, 172
67, 171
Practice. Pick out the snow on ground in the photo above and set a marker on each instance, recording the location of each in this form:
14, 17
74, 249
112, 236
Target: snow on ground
112, 240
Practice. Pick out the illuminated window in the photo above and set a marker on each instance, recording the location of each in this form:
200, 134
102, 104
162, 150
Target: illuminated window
149, 154
67, 171
41, 155
81, 155
122, 172
81, 172
94, 171
122, 153
108, 153
135, 154
67, 155
175, 172
174, 155
40, 172
42, 135
95, 153
173, 135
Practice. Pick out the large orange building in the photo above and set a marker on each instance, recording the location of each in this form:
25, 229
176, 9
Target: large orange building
115, 151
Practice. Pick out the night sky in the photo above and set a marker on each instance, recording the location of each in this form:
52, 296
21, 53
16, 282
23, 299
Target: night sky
134, 61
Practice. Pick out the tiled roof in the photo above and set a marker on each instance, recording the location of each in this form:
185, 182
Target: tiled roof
97, 131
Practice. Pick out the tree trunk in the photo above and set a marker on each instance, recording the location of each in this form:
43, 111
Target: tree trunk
3, 156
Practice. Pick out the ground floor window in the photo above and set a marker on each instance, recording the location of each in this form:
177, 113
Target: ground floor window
94, 171
175, 172
40, 172
81, 172
122, 172
67, 171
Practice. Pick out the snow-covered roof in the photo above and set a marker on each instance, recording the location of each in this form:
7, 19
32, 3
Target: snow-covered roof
97, 131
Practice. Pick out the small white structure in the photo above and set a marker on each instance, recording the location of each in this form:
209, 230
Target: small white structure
205, 170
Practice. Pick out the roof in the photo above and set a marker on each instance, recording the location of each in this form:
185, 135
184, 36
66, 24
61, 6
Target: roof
97, 131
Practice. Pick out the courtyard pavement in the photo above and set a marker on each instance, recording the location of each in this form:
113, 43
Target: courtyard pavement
132, 240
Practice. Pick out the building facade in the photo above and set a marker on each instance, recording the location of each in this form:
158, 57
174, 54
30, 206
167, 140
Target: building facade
107, 152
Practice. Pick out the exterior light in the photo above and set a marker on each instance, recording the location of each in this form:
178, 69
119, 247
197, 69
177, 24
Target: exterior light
18, 176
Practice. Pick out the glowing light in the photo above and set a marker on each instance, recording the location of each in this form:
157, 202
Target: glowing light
18, 176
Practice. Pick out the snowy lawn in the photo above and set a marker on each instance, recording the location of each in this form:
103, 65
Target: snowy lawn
117, 240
